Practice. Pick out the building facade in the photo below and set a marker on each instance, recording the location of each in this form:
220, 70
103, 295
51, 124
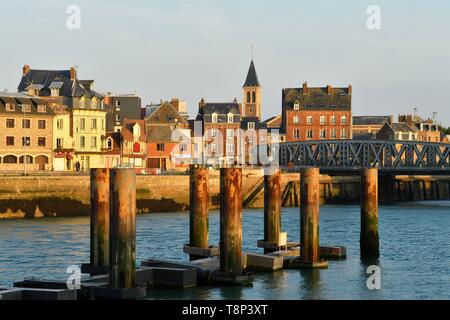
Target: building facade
134, 144
322, 113
367, 127
26, 131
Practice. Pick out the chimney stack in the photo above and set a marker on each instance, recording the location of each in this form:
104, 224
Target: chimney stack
328, 89
26, 69
350, 89
305, 88
73, 73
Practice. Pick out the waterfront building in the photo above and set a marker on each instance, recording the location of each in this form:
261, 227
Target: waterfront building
367, 127
168, 140
397, 131
26, 131
63, 143
120, 107
113, 149
134, 144
322, 113
85, 106
427, 130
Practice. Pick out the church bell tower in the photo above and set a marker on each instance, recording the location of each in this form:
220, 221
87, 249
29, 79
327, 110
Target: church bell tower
251, 102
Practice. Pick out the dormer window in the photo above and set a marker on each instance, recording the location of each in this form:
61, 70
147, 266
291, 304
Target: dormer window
55, 92
82, 102
136, 131
250, 126
230, 118
214, 118
296, 105
94, 103
10, 107
41, 108
26, 108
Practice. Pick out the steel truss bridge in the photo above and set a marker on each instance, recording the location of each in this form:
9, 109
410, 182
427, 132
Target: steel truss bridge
390, 157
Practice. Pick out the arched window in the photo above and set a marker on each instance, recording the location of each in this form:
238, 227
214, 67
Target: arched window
136, 147
254, 97
10, 159
248, 97
109, 144
29, 159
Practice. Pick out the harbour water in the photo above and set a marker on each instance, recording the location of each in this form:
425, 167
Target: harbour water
414, 245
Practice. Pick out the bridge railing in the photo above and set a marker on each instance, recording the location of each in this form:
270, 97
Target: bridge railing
353, 154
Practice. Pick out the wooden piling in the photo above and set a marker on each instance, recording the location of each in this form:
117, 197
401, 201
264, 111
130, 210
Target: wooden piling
309, 219
198, 208
272, 206
231, 221
122, 228
369, 240
99, 190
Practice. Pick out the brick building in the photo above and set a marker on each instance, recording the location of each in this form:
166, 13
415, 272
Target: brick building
26, 132
317, 113
427, 130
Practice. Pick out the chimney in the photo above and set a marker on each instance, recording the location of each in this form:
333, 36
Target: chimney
328, 89
391, 120
305, 88
26, 69
350, 89
73, 73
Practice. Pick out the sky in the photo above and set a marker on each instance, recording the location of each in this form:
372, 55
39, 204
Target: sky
191, 49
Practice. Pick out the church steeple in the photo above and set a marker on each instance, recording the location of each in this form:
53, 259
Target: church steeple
252, 94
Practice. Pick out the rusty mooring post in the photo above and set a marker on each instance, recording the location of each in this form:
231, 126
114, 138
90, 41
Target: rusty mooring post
369, 241
231, 221
99, 187
122, 228
272, 206
309, 220
198, 215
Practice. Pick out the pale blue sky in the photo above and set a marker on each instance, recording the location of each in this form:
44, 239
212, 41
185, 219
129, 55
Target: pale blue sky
195, 49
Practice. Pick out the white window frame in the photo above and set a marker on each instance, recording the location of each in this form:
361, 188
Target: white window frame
323, 120
214, 118
309, 120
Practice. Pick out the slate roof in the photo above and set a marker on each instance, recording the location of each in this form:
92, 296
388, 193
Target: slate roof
48, 79
222, 109
317, 98
18, 99
166, 114
403, 127
252, 77
370, 120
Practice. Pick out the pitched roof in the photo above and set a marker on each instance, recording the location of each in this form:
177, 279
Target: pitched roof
252, 77
317, 98
18, 99
402, 127
127, 129
45, 80
370, 120
166, 114
221, 109
273, 122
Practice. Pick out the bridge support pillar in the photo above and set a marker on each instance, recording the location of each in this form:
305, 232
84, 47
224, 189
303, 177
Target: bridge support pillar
231, 221
369, 240
123, 229
198, 209
272, 206
309, 220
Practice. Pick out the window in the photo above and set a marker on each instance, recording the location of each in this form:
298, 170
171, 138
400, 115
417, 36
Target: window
214, 118
136, 147
10, 107
230, 118
26, 141
296, 105
82, 123
323, 134
296, 120
230, 133
183, 147
309, 134
93, 142
29, 159
250, 110
109, 144
10, 123
94, 124
94, 103
213, 133
41, 124
41, 141
343, 120
248, 97
9, 141
323, 120
250, 126
296, 134
41, 108
59, 143
309, 119
26, 108
60, 124
82, 142
333, 133
333, 119
54, 92
230, 148
26, 123
160, 147
343, 134
254, 97
10, 159
117, 103
117, 117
